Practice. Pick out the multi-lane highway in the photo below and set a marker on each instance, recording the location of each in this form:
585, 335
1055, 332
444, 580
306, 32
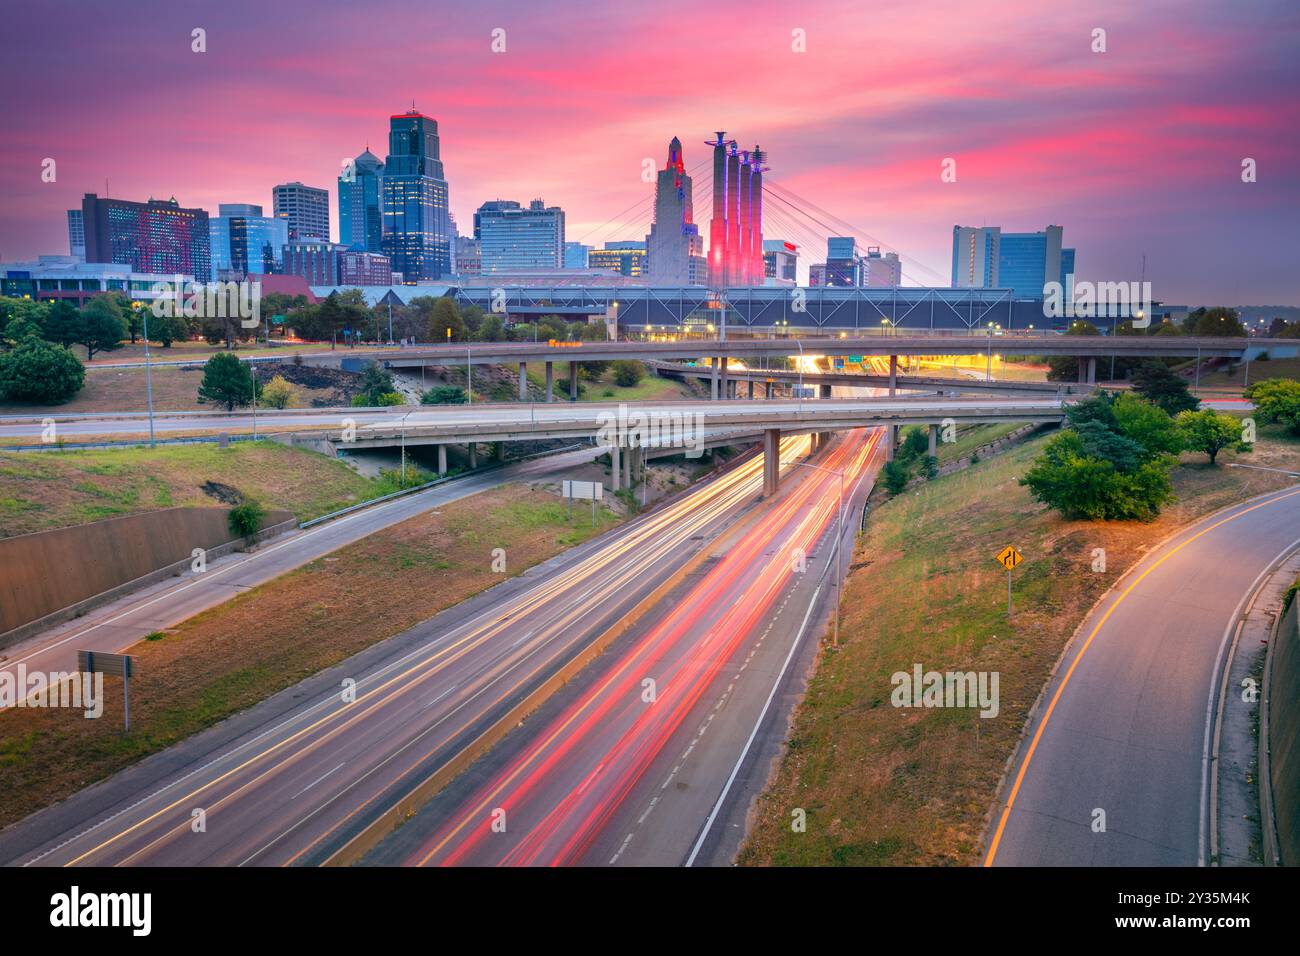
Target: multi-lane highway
1125, 726
640, 764
295, 779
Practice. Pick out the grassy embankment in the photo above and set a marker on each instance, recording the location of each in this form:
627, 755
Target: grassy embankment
54, 489
239, 653
889, 786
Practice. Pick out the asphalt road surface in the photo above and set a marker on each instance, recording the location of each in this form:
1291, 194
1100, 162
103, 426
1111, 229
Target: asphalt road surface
1125, 725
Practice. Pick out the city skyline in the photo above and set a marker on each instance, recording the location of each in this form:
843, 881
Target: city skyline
1042, 129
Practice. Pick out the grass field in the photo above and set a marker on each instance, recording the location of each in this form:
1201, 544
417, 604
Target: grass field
43, 490
239, 653
1236, 378
890, 786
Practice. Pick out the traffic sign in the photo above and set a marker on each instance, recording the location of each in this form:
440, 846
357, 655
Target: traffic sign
1009, 557
115, 665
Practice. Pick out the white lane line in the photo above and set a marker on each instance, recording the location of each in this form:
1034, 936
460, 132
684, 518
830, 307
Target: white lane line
713, 814
316, 781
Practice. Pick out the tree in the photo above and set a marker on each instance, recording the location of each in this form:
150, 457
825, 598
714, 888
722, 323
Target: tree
1148, 425
628, 373
1277, 400
1216, 321
17, 331
1095, 408
40, 372
1079, 485
1098, 441
491, 329
279, 393
375, 383
896, 476
245, 519
226, 381
1209, 431
169, 328
104, 327
1156, 383
440, 314
472, 316
915, 444
443, 395
64, 324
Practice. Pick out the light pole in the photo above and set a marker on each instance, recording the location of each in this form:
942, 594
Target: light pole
799, 342
148, 376
988, 359
469, 374
403, 478
839, 537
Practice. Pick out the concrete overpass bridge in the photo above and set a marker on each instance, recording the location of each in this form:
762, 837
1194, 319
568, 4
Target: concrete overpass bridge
628, 430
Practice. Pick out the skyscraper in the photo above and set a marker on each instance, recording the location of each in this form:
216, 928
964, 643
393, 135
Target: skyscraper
244, 241
675, 246
986, 257
158, 236
361, 210
76, 235
417, 223
736, 230
514, 239
305, 208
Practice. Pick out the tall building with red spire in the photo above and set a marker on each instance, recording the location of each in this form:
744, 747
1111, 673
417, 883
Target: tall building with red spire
674, 244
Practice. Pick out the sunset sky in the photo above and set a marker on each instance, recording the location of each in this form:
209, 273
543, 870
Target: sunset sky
1135, 150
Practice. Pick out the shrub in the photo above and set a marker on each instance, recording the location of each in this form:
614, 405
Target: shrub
226, 381
1277, 400
1081, 485
279, 393
444, 395
628, 373
245, 519
41, 372
896, 476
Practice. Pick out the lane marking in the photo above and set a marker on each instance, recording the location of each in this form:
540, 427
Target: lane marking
317, 780
1047, 714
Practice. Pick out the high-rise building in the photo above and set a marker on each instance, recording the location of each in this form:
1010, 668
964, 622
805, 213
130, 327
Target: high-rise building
817, 274
514, 239
417, 220
76, 234
625, 258
360, 268
780, 262
469, 257
1024, 262
318, 262
361, 210
880, 271
842, 264
158, 236
575, 255
674, 239
306, 209
736, 229
245, 242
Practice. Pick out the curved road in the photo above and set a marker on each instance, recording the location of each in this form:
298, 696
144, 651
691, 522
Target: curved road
1125, 723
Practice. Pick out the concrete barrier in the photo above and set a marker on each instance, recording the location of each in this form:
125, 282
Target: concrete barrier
52, 576
1280, 740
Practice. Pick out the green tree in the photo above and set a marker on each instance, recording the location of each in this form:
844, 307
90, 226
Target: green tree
104, 326
444, 395
279, 393
18, 330
1216, 321
1079, 485
40, 372
628, 372
375, 383
473, 317
444, 316
1148, 425
896, 475
1277, 400
491, 329
1210, 432
64, 323
1157, 384
226, 381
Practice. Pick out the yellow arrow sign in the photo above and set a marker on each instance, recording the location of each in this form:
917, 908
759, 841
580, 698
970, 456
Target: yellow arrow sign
1009, 557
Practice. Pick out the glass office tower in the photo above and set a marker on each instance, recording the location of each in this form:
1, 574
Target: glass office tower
417, 223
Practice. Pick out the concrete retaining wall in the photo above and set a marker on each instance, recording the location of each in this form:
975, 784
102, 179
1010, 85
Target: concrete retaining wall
54, 575
1283, 702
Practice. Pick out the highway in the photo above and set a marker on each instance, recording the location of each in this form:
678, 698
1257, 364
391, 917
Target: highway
627, 773
292, 780
1125, 725
117, 625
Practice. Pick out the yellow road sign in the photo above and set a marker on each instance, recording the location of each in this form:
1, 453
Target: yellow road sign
1009, 557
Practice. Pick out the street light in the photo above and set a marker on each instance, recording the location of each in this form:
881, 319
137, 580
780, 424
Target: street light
148, 375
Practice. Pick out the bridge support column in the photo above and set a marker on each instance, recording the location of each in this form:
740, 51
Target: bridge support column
523, 381
823, 439
550, 382
628, 460
442, 459
713, 381
767, 390
825, 391
615, 466
722, 376
771, 461
573, 381
934, 441
893, 375
473, 455
813, 439
890, 442
1092, 371
751, 389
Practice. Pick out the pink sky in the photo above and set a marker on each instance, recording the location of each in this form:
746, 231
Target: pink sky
1135, 150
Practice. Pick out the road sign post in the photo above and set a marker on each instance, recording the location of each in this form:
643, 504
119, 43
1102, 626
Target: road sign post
1009, 557
111, 665
594, 490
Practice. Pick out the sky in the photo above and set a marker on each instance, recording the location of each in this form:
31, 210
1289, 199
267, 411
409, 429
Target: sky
1134, 151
